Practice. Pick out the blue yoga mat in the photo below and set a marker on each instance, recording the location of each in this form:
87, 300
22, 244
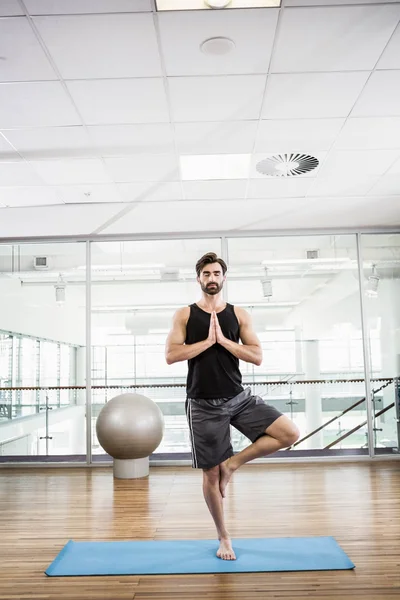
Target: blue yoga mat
198, 556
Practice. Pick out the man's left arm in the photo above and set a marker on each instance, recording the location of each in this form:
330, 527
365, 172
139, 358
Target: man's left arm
250, 350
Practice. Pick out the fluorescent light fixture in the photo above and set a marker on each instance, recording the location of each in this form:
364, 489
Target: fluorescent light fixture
133, 308
214, 4
124, 267
215, 166
371, 289
60, 291
305, 261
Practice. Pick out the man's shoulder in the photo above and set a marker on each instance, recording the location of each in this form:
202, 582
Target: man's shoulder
241, 314
183, 312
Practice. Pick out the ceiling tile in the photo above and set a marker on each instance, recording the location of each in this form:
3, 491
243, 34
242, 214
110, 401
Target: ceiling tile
335, 38
28, 196
349, 185
72, 219
149, 167
341, 163
22, 57
390, 58
334, 212
18, 173
295, 187
312, 95
388, 185
7, 152
138, 138
215, 190
150, 191
60, 7
76, 194
51, 142
191, 216
76, 171
230, 98
10, 8
102, 46
251, 31
380, 97
369, 133
297, 135
223, 137
112, 101
35, 104
395, 168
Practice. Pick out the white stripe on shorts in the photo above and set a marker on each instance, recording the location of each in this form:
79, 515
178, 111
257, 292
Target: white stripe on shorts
189, 418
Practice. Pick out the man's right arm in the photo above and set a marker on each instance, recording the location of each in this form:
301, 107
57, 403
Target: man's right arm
175, 348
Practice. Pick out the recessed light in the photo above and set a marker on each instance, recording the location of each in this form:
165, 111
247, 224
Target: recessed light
183, 5
214, 166
217, 46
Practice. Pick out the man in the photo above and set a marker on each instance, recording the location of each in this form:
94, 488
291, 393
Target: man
207, 335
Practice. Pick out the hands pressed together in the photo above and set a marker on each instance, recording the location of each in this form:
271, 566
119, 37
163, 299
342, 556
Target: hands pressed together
215, 335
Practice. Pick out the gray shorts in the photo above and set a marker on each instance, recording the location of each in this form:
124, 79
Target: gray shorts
210, 420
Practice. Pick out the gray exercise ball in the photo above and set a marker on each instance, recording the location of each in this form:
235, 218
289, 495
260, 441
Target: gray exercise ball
130, 426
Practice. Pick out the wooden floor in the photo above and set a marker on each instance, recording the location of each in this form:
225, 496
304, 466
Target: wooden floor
357, 503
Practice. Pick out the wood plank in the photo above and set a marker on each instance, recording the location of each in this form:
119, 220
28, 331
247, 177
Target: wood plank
356, 502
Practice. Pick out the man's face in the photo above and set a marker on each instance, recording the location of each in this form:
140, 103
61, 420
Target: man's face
211, 279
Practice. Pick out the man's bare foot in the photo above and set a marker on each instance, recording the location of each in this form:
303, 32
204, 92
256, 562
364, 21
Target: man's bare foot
225, 550
226, 470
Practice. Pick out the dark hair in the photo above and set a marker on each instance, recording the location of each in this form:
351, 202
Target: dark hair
209, 259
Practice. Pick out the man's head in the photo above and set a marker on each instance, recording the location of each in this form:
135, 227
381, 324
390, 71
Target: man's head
211, 273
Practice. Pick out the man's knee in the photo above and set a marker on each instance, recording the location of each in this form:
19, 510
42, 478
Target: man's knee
211, 476
289, 435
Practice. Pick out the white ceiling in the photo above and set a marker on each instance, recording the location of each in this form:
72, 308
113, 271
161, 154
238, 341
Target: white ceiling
102, 100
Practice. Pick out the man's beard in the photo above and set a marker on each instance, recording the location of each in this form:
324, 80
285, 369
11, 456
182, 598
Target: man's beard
211, 289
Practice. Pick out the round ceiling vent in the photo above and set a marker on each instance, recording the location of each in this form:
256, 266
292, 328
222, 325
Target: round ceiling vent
287, 165
217, 46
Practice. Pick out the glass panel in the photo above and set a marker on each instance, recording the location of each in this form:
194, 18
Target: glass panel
42, 346
381, 268
303, 296
136, 288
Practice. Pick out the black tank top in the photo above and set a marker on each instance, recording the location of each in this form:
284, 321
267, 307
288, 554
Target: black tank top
215, 372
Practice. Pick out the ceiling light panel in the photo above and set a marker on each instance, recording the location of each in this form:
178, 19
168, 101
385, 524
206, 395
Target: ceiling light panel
217, 166
213, 4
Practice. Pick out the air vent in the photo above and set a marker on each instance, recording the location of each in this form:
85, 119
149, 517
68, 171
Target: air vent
40, 263
312, 254
287, 165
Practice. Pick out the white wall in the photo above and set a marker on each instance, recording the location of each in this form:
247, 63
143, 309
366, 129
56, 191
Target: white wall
33, 311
